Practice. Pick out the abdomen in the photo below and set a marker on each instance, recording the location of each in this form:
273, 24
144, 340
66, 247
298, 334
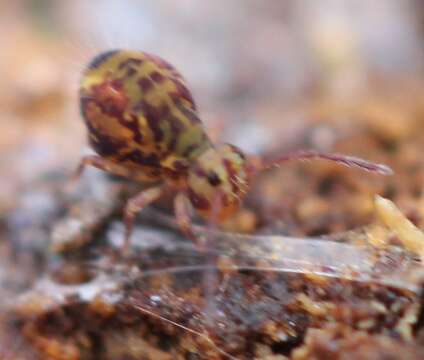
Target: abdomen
139, 111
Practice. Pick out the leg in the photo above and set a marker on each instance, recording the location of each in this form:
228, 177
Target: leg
183, 216
102, 164
134, 206
211, 278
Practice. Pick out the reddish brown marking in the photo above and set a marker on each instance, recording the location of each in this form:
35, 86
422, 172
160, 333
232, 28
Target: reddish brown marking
117, 85
153, 118
138, 157
161, 63
199, 172
104, 145
157, 77
134, 126
198, 201
190, 149
113, 107
176, 129
131, 72
155, 173
110, 97
145, 84
189, 114
179, 165
182, 93
164, 111
185, 93
129, 62
237, 151
173, 143
177, 126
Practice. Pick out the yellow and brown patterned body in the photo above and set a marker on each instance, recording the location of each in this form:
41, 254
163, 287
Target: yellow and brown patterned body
141, 115
143, 124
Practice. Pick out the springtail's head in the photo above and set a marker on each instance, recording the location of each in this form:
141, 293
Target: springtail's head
220, 177
218, 181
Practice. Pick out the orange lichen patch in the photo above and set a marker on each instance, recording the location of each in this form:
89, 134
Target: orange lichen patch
410, 236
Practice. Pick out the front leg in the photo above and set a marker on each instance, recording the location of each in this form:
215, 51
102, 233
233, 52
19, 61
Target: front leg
135, 205
183, 216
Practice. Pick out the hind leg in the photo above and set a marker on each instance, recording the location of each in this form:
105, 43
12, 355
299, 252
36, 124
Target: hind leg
101, 164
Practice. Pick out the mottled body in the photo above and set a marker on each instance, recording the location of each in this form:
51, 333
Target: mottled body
143, 124
140, 114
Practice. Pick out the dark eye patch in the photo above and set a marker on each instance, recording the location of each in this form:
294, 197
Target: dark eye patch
213, 178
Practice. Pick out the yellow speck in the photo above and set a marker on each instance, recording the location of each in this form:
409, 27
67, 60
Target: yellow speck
410, 236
